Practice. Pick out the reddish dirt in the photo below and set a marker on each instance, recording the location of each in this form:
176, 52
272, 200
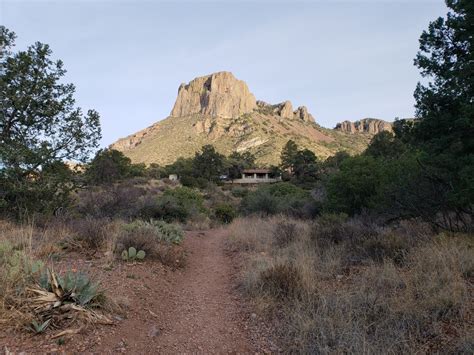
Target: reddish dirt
192, 310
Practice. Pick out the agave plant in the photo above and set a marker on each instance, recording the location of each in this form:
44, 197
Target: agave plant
57, 295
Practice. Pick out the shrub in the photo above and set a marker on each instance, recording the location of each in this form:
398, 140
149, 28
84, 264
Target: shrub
239, 191
281, 281
225, 213
285, 233
149, 236
110, 201
89, 233
322, 303
177, 204
276, 198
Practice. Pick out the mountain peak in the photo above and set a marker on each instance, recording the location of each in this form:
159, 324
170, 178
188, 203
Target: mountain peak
218, 95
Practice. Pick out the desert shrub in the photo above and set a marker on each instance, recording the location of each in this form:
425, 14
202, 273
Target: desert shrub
88, 233
238, 191
140, 238
324, 303
178, 204
276, 198
281, 281
361, 240
109, 201
285, 233
170, 233
225, 213
149, 236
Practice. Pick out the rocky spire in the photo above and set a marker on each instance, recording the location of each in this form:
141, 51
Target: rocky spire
217, 95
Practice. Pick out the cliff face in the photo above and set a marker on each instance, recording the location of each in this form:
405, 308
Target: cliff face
366, 125
219, 109
217, 95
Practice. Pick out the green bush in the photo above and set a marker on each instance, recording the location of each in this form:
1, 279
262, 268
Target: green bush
239, 191
225, 213
159, 231
277, 198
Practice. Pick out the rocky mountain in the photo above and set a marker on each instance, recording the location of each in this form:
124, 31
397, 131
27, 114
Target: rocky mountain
365, 125
219, 109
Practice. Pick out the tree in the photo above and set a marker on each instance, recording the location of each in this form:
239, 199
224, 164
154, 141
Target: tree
40, 126
355, 186
444, 130
385, 145
208, 164
237, 162
108, 166
305, 166
288, 155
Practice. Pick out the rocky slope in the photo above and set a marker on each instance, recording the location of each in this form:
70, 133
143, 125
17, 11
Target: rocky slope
219, 109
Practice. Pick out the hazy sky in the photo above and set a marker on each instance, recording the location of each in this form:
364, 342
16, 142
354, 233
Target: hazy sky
342, 59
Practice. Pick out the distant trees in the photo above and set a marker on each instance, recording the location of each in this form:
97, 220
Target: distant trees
110, 165
237, 162
40, 128
301, 166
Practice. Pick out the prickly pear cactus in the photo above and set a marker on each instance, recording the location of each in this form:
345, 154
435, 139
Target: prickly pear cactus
141, 255
132, 253
125, 255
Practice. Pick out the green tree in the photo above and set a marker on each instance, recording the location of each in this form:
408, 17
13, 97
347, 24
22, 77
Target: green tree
40, 127
108, 166
305, 166
208, 164
288, 155
444, 130
356, 186
237, 162
385, 145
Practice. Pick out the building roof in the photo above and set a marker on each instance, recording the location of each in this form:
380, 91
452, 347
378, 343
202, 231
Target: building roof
256, 171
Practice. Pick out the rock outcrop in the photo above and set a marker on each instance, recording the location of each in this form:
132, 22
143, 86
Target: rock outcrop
217, 95
365, 125
285, 110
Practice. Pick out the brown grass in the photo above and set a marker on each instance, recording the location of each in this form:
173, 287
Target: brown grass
348, 286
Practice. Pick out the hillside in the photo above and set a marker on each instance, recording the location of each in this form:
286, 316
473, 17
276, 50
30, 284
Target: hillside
220, 110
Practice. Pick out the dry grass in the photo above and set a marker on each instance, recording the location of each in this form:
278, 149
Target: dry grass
348, 286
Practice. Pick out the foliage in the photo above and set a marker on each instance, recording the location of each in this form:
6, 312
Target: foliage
225, 213
301, 165
445, 124
110, 165
276, 198
159, 230
237, 162
385, 145
178, 204
40, 127
208, 164
355, 186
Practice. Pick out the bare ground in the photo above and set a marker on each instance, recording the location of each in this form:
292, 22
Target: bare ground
192, 310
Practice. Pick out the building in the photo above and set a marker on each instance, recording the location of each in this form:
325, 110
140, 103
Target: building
256, 176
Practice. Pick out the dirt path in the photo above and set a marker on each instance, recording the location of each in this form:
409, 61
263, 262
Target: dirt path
191, 310
203, 314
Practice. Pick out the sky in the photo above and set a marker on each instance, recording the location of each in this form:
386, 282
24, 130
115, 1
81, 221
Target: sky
344, 60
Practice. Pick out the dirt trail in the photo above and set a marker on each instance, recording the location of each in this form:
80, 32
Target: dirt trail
191, 310
204, 314
194, 310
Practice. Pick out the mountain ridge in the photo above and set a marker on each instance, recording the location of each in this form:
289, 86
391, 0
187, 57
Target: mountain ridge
219, 109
